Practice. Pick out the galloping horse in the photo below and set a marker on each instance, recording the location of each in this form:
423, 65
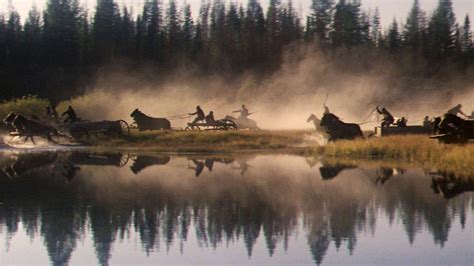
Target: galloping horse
28, 128
313, 118
145, 122
336, 129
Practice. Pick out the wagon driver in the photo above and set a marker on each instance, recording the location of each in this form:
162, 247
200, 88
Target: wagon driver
70, 114
456, 110
244, 112
199, 115
387, 119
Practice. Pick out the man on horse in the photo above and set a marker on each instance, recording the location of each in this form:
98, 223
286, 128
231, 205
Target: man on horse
199, 115
456, 110
387, 119
70, 114
244, 112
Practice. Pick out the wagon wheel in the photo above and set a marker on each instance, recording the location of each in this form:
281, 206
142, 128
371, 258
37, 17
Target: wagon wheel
124, 160
125, 127
80, 135
192, 128
229, 125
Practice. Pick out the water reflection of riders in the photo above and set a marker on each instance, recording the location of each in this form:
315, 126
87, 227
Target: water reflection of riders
387, 119
69, 171
244, 112
199, 166
456, 110
70, 114
385, 173
209, 163
199, 115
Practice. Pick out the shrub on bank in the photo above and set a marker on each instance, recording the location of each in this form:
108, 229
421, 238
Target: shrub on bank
27, 106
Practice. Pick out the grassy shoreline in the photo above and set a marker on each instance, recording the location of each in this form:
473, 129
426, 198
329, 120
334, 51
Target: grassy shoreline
416, 151
208, 141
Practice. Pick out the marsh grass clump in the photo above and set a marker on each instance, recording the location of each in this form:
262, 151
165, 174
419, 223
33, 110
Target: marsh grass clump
417, 150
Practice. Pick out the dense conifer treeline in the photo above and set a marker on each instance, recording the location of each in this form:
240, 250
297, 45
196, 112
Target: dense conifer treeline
58, 51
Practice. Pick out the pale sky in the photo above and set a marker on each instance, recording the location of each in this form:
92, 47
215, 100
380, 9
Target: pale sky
388, 8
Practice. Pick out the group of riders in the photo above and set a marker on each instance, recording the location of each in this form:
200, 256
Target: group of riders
210, 120
388, 119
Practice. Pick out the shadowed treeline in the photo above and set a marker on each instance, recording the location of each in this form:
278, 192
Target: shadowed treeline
59, 52
163, 202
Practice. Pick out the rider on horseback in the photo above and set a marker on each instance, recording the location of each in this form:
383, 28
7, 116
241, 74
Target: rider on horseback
244, 112
71, 115
387, 119
199, 114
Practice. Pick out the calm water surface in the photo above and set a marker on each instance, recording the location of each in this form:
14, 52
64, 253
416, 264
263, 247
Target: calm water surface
106, 208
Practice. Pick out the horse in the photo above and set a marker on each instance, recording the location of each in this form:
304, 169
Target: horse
29, 128
313, 118
336, 129
145, 122
453, 129
243, 123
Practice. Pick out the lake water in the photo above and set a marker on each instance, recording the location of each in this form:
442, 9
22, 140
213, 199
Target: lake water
106, 208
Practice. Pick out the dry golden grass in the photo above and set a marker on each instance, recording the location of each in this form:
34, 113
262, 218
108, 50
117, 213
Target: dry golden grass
414, 150
205, 141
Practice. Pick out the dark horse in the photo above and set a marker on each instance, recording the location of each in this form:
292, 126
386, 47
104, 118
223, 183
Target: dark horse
28, 128
145, 122
336, 129
453, 129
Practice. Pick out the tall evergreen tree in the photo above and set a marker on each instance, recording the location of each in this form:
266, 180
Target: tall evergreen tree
466, 37
173, 29
347, 24
394, 40
13, 37
32, 35
321, 18
150, 29
414, 27
188, 30
105, 29
442, 27
62, 32
375, 28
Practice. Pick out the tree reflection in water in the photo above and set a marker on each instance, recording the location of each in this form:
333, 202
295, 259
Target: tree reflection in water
61, 197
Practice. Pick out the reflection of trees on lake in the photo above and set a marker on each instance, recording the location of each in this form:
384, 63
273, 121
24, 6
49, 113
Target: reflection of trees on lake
220, 210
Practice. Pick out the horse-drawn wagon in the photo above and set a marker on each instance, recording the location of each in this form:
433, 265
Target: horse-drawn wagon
406, 130
80, 131
453, 129
222, 124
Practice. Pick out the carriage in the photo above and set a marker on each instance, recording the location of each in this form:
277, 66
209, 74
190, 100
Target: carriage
222, 124
81, 131
453, 129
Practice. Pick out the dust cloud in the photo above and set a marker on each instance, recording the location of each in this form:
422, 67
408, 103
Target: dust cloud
283, 100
